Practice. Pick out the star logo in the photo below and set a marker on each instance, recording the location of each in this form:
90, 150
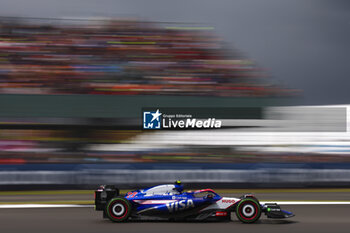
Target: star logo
156, 115
152, 120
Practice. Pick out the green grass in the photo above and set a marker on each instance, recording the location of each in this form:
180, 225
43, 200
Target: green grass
223, 191
47, 192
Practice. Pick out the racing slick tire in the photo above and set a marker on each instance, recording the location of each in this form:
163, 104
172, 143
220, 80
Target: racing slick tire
248, 210
118, 209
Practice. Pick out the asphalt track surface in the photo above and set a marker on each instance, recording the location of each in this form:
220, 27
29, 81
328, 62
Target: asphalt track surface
309, 218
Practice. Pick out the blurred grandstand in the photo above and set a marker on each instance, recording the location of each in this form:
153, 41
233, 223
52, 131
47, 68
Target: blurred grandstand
123, 57
72, 91
52, 69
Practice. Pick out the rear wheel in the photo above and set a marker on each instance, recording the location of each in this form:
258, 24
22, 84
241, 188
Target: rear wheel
248, 210
118, 209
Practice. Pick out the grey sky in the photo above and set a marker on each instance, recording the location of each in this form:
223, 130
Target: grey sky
303, 43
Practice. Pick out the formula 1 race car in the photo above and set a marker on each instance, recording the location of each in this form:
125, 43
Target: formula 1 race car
169, 202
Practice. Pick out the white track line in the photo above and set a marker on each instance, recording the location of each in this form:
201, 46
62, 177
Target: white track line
309, 202
15, 206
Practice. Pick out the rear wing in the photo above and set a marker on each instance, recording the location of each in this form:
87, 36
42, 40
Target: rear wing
103, 194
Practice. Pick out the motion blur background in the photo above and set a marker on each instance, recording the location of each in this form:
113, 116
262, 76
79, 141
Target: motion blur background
74, 76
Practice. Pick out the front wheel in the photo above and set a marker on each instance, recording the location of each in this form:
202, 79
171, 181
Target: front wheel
248, 210
118, 209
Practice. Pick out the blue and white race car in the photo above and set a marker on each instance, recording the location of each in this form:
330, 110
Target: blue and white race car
169, 202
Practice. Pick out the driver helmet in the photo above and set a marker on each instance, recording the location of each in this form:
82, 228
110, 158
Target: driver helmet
178, 186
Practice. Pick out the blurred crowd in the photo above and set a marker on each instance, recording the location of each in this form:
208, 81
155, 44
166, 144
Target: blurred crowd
123, 57
116, 57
